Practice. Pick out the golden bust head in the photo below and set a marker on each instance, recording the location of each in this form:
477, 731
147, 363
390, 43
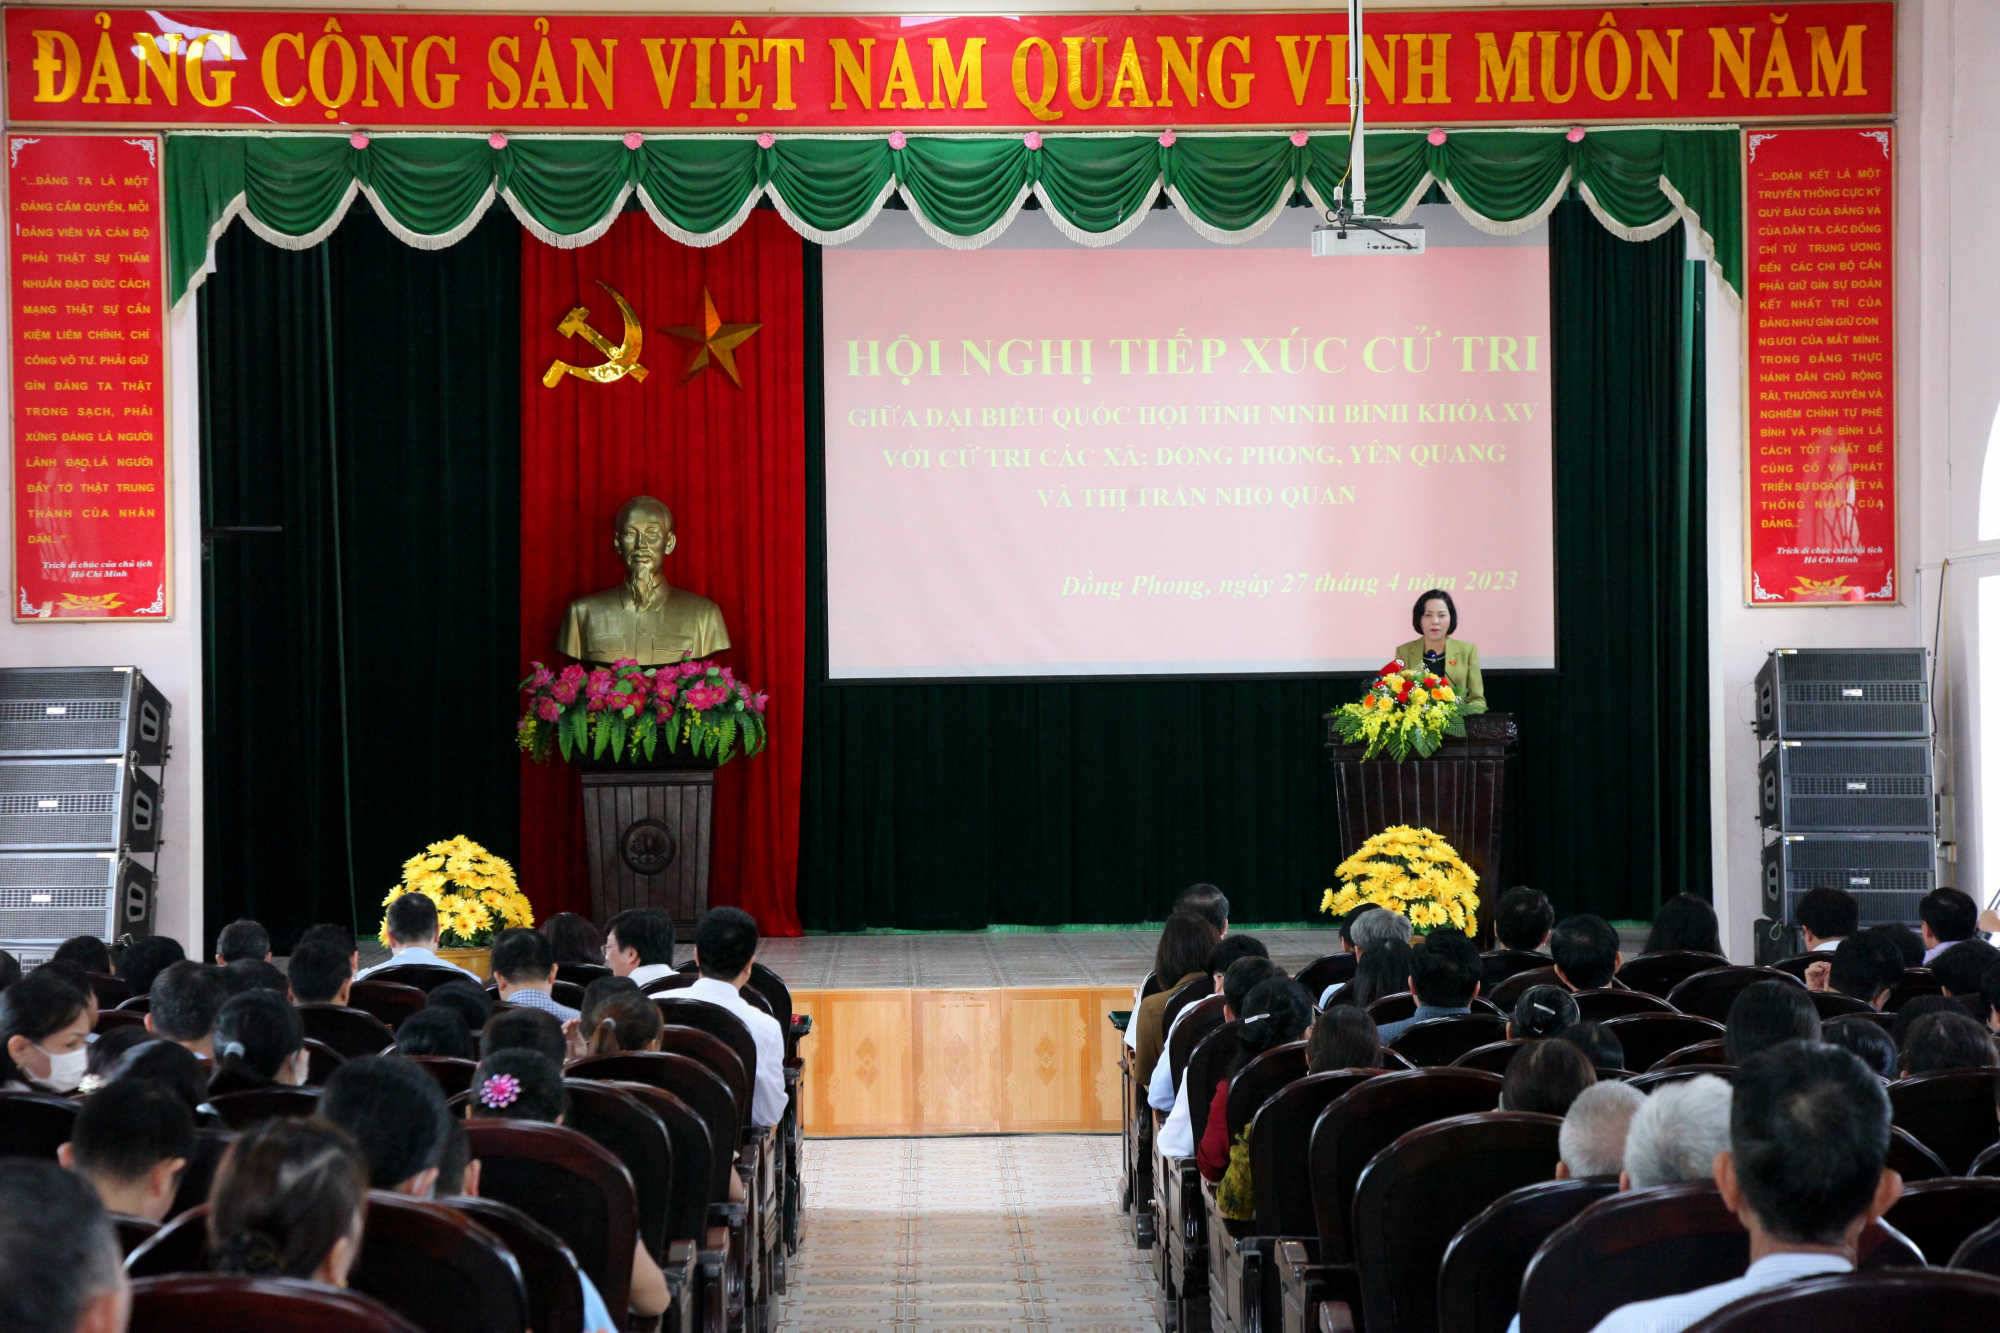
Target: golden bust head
643, 618
643, 536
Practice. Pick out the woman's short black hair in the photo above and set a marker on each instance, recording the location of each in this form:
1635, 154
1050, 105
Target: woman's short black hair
1947, 1041
1866, 1039
574, 938
41, 1003
87, 952
395, 1112
1275, 1013
1766, 1013
1383, 970
148, 958
471, 1003
1417, 612
1185, 944
1684, 922
1343, 1037
519, 1085
286, 1193
1599, 1046
1542, 1011
257, 1031
1546, 1076
436, 1031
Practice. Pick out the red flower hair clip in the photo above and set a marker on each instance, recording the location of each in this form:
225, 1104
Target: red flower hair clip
500, 1091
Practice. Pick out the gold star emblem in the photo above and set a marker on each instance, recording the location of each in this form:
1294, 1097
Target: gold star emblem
712, 338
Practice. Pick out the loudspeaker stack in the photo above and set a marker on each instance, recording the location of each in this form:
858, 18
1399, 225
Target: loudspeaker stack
1844, 785
78, 806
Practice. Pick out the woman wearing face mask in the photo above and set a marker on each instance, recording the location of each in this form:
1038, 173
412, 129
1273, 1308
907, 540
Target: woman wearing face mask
258, 1044
44, 1023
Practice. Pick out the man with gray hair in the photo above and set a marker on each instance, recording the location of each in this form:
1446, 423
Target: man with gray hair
1593, 1134
60, 1268
1370, 929
1677, 1134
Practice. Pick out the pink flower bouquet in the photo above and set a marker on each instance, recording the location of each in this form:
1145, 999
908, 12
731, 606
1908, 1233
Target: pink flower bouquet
626, 710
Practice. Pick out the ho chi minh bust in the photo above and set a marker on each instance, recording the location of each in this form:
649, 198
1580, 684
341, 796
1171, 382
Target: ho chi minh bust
644, 618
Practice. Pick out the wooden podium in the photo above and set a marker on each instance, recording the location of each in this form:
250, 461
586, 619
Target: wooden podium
646, 832
1457, 793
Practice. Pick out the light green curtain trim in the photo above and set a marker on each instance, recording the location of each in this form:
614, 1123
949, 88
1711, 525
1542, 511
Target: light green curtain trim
431, 190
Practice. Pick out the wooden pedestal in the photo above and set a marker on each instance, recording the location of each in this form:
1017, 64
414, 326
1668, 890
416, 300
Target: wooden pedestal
646, 832
1457, 793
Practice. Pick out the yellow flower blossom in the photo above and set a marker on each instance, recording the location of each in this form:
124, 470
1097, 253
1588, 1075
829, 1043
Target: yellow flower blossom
475, 891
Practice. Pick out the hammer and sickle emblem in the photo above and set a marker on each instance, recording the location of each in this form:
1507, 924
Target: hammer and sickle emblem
620, 360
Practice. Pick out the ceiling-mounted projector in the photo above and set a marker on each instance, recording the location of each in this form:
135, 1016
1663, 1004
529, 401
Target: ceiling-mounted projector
1367, 238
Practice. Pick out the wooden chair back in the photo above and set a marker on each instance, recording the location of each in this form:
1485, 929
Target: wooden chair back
1415, 1195
1493, 1057
1949, 1111
1261, 1079
351, 1032
1709, 994
1832, 1004
110, 1020
1799, 962
1648, 1037
771, 989
321, 1062
1149, 986
240, 1110
1497, 965
1916, 981
138, 1004
1941, 1215
1440, 1041
133, 1231
453, 1075
679, 1011
1987, 1163
217, 1304
1658, 973
1397, 1008
199, 1173
629, 1131
1513, 988
1940, 1300
1204, 1017
1190, 992
110, 991
390, 1001
1913, 1161
1205, 1069
438, 1268
575, 1188
548, 1270
1373, 1115
1714, 1051
1280, 1150
693, 1185
672, 981
1654, 1078
35, 1124
581, 974
1479, 1282
426, 977
180, 1245
717, 1054
1980, 1252
1598, 1006
693, 1082
1333, 970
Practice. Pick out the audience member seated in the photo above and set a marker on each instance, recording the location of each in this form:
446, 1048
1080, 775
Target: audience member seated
621, 1020
396, 1115
1383, 968
1683, 922
1347, 944
1959, 970
320, 974
289, 1200
248, 974
603, 988
412, 926
105, 1052
1545, 1076
87, 952
1444, 979
1275, 1013
1808, 1136
1592, 1141
1675, 1136
78, 980
1765, 1013
146, 959
1522, 921
1371, 930
639, 943
725, 947
1825, 917
574, 939
1342, 1038
61, 1270
1176, 1137
519, 1028
44, 1028
1989, 992
1865, 967
521, 1085
131, 1142
1922, 1006
469, 1001
1603, 1050
1909, 946
186, 999
167, 1063
339, 937
1542, 1011
524, 969
1208, 902
436, 1031
1180, 958
1948, 916
10, 969
1947, 1041
258, 1044
1874, 1047
242, 938
1584, 949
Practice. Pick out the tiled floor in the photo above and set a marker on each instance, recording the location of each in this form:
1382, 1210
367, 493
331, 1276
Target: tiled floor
968, 1235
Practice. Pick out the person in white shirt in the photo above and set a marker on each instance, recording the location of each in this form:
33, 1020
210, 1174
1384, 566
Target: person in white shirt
1804, 1173
1825, 917
725, 947
1176, 1137
413, 935
639, 943
1948, 916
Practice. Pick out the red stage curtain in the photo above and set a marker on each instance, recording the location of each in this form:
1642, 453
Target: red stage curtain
729, 462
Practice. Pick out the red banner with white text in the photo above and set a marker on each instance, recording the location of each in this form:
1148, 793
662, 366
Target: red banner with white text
327, 69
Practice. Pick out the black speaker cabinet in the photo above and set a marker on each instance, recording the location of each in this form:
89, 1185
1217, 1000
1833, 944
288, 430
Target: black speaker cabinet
46, 897
1888, 873
1843, 694
56, 712
1846, 787
77, 805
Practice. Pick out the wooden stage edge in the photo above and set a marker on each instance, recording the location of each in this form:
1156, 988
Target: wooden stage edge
1007, 1060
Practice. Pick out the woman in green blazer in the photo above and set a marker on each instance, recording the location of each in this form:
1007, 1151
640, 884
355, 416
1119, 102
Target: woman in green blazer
1457, 660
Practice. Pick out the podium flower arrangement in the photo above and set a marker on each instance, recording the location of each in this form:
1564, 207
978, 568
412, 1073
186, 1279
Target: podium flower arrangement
474, 890
626, 710
1404, 709
1413, 871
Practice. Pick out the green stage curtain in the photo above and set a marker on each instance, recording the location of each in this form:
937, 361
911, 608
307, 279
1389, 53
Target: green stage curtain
431, 190
934, 807
359, 697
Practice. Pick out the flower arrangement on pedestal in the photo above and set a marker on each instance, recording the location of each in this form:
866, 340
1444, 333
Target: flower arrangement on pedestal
1412, 871
1403, 710
626, 710
474, 890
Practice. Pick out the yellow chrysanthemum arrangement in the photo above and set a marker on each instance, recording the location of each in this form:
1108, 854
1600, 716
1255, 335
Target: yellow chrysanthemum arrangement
474, 890
1412, 871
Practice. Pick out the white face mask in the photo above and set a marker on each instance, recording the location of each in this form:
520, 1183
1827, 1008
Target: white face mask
66, 1070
